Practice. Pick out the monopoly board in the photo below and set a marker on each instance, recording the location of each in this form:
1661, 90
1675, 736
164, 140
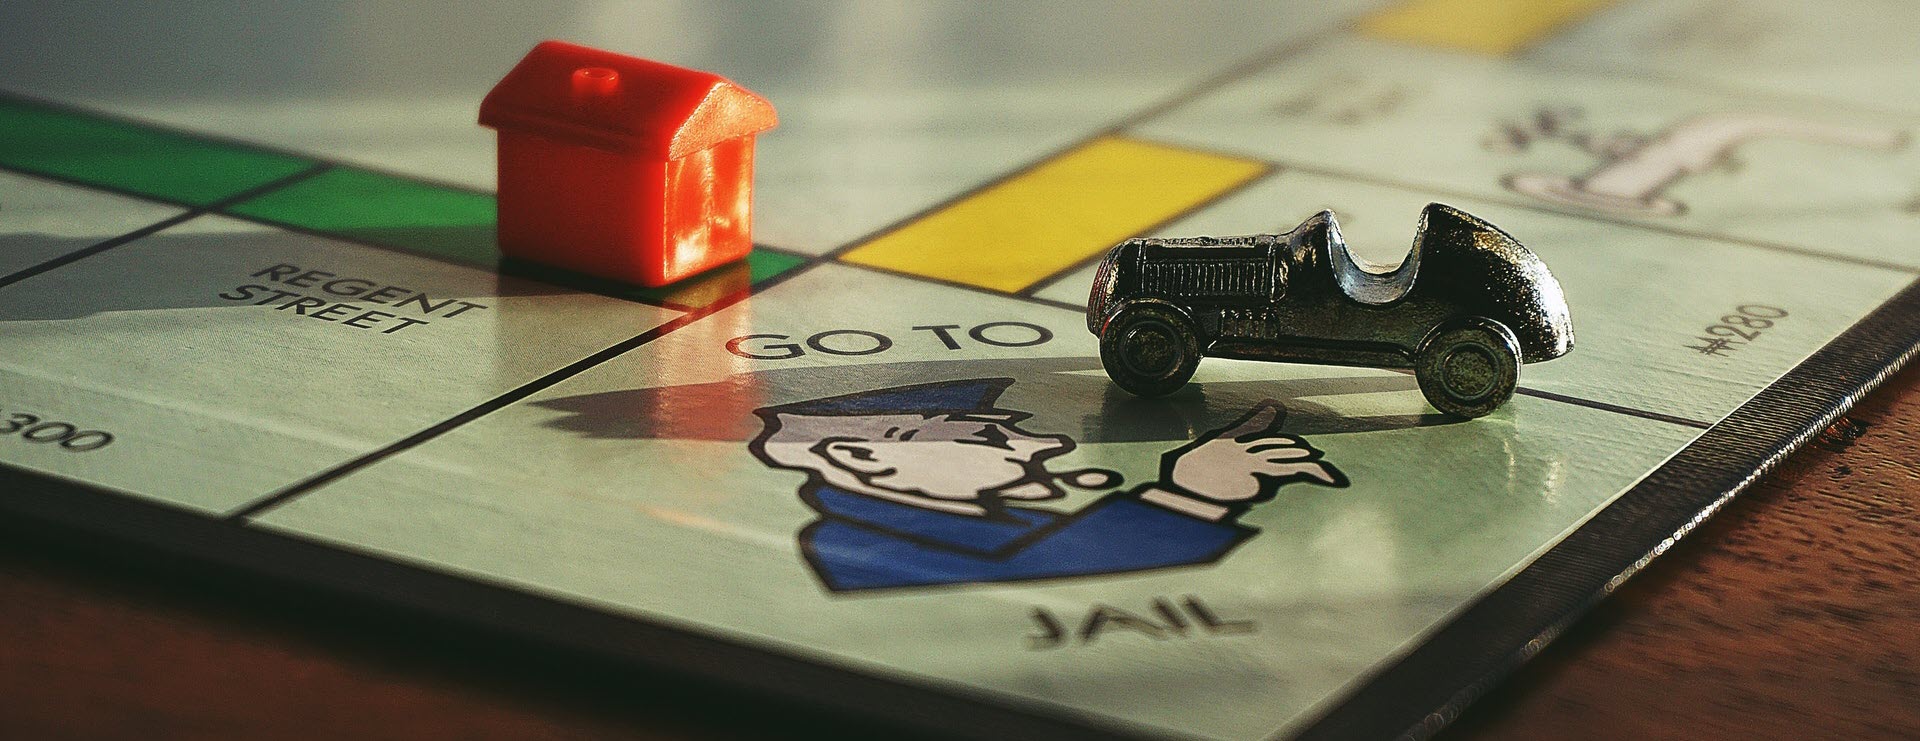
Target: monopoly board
268, 328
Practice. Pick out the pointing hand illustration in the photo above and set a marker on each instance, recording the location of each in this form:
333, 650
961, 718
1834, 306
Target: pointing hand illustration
930, 484
1247, 461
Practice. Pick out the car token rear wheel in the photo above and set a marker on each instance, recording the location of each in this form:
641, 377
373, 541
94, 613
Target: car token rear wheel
1149, 350
1470, 368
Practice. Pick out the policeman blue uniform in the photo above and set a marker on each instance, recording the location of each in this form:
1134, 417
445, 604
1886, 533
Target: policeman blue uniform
862, 542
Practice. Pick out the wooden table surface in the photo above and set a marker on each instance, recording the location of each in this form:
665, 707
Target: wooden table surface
1795, 613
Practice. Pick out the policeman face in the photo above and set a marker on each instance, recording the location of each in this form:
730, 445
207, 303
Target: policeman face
979, 457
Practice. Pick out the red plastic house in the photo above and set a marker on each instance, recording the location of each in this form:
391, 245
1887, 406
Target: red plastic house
621, 167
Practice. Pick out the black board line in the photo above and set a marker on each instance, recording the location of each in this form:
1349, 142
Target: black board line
1622, 409
614, 289
1601, 406
1587, 215
1546, 208
1587, 68
551, 378
1259, 61
96, 248
1524, 390
903, 222
156, 227
1579, 401
1486, 641
1272, 55
55, 177
230, 142
221, 210
968, 287
333, 473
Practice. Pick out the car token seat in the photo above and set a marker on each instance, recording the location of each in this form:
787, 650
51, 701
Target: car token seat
1364, 281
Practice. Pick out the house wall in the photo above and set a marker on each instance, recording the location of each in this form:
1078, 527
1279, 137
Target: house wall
580, 208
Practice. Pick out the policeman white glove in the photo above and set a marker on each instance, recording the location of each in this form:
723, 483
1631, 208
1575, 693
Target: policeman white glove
1242, 464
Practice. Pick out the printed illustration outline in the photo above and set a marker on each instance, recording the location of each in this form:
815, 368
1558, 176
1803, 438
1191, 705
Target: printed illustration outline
913, 484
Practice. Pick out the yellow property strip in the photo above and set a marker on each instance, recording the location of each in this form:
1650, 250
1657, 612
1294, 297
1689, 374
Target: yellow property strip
1069, 208
1496, 27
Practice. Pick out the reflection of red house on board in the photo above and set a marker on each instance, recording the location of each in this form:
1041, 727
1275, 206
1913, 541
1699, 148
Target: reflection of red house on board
622, 167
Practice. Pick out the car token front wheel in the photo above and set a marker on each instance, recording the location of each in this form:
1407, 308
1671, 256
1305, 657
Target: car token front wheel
1470, 368
1149, 350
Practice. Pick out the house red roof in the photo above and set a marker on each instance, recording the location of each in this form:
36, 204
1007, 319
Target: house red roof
620, 103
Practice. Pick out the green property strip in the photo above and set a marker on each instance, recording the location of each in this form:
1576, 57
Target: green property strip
704, 289
346, 202
762, 264
132, 158
453, 224
386, 210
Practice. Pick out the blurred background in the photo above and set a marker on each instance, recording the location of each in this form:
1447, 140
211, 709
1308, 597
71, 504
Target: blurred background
885, 106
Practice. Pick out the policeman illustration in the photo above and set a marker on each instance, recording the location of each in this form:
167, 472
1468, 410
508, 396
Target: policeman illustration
917, 486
